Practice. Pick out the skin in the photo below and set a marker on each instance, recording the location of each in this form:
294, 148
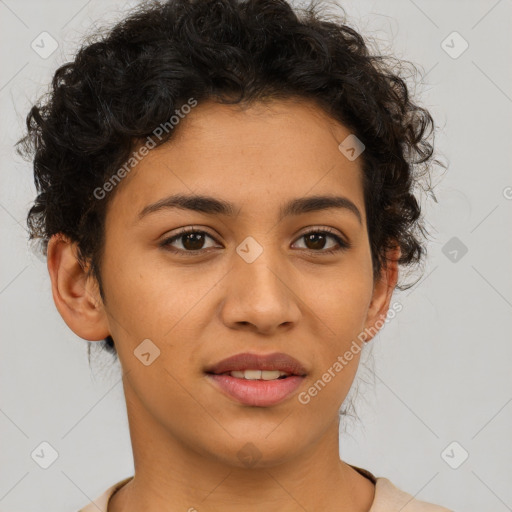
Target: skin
200, 309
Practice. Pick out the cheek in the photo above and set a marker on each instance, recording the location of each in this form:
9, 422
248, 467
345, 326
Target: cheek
158, 316
147, 298
343, 303
342, 308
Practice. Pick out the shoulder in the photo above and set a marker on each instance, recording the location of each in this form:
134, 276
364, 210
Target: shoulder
100, 504
388, 498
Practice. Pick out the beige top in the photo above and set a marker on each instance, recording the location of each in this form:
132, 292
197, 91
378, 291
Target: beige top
388, 498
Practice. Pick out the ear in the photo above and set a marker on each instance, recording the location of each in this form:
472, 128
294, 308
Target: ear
75, 294
382, 292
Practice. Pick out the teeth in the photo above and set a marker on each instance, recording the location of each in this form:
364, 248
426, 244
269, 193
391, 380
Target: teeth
257, 374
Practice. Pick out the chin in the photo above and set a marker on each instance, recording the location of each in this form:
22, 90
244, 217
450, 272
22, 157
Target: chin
256, 451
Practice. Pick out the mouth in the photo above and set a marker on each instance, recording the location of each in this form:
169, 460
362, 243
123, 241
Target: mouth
256, 374
257, 380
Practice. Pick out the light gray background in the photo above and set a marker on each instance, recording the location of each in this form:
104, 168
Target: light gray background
439, 372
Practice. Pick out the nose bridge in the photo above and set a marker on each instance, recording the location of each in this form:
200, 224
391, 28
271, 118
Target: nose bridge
257, 264
260, 292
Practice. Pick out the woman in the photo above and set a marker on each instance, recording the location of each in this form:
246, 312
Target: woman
225, 199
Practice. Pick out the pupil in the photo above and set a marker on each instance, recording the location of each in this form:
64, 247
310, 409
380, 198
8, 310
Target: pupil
318, 240
197, 240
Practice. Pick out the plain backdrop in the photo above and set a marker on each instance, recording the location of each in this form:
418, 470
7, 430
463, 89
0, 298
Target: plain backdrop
434, 393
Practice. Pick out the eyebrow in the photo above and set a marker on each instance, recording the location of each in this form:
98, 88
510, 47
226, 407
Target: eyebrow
213, 206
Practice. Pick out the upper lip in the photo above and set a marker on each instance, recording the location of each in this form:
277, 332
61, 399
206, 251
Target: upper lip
249, 361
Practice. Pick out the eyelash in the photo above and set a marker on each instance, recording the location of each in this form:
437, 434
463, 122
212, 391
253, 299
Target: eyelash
166, 244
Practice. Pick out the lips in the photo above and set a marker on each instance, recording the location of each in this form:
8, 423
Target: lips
230, 376
270, 362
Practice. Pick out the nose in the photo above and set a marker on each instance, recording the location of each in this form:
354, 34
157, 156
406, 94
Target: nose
260, 296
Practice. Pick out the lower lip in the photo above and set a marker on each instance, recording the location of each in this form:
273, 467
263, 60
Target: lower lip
262, 393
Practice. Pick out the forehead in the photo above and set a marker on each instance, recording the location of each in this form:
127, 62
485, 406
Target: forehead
253, 156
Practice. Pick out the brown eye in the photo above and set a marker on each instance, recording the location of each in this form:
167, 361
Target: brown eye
191, 241
315, 242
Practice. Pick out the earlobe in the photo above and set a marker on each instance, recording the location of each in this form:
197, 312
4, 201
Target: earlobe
75, 294
382, 293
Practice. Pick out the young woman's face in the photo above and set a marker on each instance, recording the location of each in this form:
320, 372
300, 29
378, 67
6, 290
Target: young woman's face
249, 281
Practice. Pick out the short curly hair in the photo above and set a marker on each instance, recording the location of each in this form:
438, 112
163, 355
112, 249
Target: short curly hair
128, 80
